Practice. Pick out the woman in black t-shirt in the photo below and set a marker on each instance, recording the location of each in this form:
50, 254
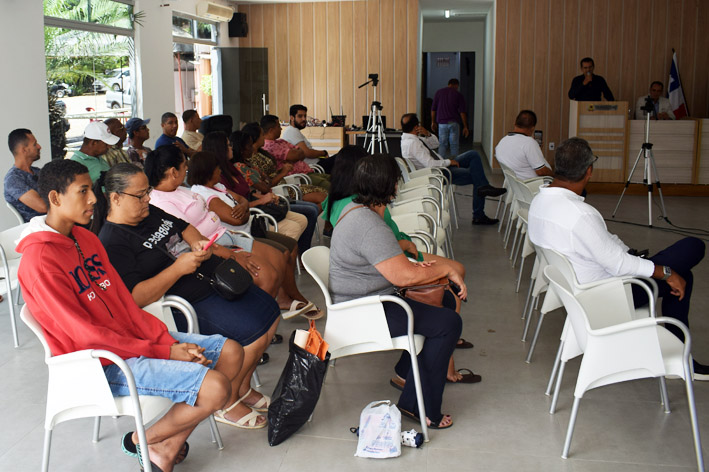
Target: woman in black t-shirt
133, 233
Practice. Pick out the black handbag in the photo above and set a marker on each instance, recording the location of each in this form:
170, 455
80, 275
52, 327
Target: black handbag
276, 210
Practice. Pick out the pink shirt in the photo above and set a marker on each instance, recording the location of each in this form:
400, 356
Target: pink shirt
279, 148
190, 207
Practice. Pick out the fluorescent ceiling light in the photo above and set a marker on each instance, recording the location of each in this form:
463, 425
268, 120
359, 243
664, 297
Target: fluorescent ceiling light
447, 13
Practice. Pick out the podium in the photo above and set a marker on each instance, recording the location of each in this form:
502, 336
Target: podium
605, 126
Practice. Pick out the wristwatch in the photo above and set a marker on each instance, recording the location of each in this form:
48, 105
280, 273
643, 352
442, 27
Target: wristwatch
666, 272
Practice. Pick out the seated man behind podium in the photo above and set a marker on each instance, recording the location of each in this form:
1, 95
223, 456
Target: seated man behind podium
417, 144
520, 151
77, 297
21, 180
559, 219
663, 109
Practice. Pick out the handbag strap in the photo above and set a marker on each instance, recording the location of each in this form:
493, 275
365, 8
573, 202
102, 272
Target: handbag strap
345, 214
150, 245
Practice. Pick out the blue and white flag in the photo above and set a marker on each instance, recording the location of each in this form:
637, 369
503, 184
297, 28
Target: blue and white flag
674, 91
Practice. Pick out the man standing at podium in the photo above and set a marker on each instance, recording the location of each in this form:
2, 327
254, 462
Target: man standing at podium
588, 87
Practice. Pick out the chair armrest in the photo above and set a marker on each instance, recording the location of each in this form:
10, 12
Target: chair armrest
357, 302
644, 323
317, 168
185, 308
430, 200
424, 238
257, 213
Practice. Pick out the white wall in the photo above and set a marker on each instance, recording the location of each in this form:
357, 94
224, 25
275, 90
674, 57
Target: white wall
464, 36
23, 82
489, 84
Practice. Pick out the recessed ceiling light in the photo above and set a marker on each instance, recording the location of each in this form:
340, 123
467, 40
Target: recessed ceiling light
447, 13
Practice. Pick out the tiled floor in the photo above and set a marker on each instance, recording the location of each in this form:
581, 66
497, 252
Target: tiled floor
501, 424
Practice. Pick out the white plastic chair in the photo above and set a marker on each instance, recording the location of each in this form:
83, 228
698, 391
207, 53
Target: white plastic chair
15, 213
359, 326
632, 350
10, 262
77, 388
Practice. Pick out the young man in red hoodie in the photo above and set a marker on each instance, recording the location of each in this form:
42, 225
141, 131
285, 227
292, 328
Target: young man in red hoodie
80, 301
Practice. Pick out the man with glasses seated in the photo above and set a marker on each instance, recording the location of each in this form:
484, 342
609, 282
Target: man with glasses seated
559, 219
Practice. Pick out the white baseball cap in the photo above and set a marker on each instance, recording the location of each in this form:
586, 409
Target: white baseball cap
98, 130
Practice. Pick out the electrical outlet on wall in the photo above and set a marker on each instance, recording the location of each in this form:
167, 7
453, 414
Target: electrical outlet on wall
552, 146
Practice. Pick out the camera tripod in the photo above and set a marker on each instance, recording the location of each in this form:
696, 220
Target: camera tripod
649, 170
375, 125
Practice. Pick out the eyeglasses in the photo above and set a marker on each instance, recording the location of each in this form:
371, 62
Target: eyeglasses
141, 196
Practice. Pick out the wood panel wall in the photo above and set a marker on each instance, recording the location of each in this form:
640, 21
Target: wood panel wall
319, 52
538, 45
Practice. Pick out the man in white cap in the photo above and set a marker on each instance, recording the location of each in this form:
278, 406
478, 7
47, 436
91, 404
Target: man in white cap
97, 139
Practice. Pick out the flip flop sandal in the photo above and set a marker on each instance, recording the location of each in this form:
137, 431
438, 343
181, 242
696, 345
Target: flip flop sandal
432, 425
468, 377
463, 344
248, 421
261, 405
277, 339
131, 450
397, 383
314, 314
154, 467
265, 357
295, 311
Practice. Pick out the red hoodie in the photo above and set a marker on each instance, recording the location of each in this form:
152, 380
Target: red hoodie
64, 295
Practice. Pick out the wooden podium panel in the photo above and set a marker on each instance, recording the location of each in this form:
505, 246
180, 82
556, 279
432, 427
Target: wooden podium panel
604, 126
703, 152
673, 145
329, 138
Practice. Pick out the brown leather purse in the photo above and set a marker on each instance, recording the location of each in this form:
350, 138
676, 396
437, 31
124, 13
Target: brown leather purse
430, 294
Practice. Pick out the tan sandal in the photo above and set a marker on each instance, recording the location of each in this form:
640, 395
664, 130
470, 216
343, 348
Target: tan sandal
248, 421
261, 405
295, 310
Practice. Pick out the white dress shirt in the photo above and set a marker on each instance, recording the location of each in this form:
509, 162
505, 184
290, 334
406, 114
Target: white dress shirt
413, 147
663, 106
522, 154
559, 219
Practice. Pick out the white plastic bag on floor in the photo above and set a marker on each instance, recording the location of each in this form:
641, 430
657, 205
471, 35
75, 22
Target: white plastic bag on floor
379, 431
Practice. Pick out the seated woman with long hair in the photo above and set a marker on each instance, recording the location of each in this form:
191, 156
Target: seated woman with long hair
166, 168
366, 259
157, 254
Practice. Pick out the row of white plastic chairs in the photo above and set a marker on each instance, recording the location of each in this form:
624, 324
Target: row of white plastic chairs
617, 341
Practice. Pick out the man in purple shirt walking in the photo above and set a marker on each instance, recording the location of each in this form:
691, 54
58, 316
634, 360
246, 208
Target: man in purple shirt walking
447, 112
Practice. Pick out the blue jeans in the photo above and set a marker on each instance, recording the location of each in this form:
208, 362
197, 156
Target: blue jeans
177, 380
310, 211
448, 136
471, 172
682, 256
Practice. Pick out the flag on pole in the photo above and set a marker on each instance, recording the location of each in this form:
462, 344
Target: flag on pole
674, 90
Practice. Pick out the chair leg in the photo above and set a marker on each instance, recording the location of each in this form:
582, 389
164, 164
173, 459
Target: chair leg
664, 398
555, 367
693, 417
570, 431
519, 275
499, 207
557, 388
11, 305
45, 449
454, 208
419, 393
255, 378
97, 429
216, 437
527, 323
502, 217
513, 251
535, 338
529, 297
297, 264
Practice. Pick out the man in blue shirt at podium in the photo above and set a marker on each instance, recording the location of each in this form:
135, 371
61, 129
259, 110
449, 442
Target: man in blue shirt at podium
588, 87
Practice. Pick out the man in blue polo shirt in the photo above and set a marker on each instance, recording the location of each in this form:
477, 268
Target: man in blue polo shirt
21, 180
169, 137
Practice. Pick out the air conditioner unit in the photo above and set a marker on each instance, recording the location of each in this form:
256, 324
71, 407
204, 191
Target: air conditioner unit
214, 11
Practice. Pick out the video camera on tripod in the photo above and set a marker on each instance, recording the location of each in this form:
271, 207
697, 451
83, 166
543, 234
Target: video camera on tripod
649, 106
375, 128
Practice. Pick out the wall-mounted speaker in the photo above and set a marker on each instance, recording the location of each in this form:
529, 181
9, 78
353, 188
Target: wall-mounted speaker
238, 28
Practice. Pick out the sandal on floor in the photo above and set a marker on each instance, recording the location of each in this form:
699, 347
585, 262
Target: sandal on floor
265, 357
468, 377
261, 406
248, 421
432, 425
154, 467
313, 314
295, 310
463, 344
131, 450
277, 339
397, 382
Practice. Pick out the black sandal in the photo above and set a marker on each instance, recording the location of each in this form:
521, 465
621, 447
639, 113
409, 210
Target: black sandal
432, 425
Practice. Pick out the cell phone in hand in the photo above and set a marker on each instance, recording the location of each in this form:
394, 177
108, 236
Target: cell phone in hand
456, 289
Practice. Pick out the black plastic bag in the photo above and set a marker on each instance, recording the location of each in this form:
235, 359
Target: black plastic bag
296, 394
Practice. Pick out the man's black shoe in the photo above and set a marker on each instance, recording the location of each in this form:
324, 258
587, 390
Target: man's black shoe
484, 220
701, 371
490, 191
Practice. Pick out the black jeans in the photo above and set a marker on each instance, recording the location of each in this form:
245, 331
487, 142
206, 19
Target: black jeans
682, 256
442, 328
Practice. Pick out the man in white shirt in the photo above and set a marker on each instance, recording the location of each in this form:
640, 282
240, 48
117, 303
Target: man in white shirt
191, 135
663, 109
292, 134
559, 219
520, 151
417, 144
